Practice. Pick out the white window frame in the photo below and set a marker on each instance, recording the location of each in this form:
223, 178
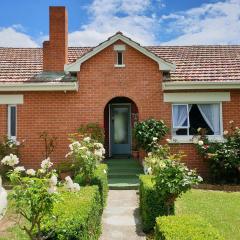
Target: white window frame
117, 64
9, 121
189, 138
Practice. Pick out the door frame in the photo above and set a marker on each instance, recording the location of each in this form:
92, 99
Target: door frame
110, 124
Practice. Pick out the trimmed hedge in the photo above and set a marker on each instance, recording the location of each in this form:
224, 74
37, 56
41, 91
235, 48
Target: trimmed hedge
191, 227
151, 205
100, 179
78, 216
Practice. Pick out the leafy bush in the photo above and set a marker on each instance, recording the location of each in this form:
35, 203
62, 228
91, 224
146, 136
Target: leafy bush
92, 130
77, 216
99, 179
171, 177
223, 157
7, 147
149, 132
151, 203
86, 154
184, 227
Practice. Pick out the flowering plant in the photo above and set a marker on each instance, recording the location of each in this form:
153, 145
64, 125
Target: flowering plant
171, 177
223, 157
34, 194
148, 133
86, 154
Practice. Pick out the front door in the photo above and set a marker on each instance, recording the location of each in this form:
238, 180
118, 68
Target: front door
120, 129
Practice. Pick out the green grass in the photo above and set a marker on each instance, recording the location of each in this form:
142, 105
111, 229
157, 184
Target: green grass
221, 209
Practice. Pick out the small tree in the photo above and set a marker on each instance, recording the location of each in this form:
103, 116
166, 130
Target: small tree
49, 143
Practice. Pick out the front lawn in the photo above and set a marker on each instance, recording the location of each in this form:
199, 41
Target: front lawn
221, 209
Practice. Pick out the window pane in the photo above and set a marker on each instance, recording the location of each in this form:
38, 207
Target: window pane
119, 58
13, 121
180, 116
181, 131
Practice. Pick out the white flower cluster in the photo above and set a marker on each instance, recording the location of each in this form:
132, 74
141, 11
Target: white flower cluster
70, 185
46, 164
31, 172
10, 160
99, 151
52, 184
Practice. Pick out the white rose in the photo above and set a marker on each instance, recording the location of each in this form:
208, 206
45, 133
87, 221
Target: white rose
31, 172
199, 129
87, 139
200, 143
155, 139
74, 145
225, 132
149, 170
75, 187
53, 180
19, 169
168, 140
46, 163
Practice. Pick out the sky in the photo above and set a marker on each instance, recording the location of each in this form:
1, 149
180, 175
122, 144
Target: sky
25, 23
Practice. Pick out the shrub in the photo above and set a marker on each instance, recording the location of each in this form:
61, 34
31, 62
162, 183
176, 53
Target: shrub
149, 132
92, 130
85, 154
99, 179
171, 177
223, 157
77, 216
184, 227
151, 203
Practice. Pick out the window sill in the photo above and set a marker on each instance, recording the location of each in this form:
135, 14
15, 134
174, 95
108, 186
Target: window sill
119, 66
189, 139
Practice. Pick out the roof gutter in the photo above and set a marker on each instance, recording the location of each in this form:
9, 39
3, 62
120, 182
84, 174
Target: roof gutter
198, 85
43, 87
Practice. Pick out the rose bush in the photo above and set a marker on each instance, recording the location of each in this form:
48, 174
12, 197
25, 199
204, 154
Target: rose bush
148, 133
223, 157
86, 154
34, 194
170, 176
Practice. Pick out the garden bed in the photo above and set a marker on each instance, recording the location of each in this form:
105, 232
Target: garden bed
218, 187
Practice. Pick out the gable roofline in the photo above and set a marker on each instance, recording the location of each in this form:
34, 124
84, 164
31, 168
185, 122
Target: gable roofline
76, 66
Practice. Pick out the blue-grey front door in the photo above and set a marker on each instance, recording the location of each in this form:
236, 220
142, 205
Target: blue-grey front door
120, 129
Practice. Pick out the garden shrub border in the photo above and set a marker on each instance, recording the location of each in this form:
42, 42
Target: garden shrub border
78, 216
151, 205
184, 227
100, 179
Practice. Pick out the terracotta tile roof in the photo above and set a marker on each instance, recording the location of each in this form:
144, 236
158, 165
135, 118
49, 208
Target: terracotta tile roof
195, 63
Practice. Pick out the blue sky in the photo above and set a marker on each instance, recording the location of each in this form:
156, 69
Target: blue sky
150, 22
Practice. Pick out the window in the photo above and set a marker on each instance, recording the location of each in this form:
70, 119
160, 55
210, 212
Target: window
120, 58
12, 121
187, 118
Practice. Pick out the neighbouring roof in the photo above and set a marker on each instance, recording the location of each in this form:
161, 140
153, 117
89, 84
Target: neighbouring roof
193, 63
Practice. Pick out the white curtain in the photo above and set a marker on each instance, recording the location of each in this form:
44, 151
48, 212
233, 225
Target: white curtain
180, 115
211, 114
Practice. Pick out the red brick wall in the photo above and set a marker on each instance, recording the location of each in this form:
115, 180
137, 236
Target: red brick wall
99, 81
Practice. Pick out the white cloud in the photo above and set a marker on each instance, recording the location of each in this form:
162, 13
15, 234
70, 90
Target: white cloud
14, 37
213, 23
109, 16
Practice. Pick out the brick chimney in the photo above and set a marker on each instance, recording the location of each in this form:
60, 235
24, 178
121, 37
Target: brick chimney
55, 51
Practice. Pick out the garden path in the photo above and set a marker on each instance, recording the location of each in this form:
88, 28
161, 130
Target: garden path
121, 219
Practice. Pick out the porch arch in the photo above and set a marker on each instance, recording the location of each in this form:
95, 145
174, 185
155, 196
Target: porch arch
121, 101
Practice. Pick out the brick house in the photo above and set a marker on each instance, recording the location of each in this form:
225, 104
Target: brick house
56, 88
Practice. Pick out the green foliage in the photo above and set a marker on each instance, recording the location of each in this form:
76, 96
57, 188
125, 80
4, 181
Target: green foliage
171, 177
86, 154
151, 203
7, 147
92, 130
78, 216
99, 179
223, 157
149, 132
32, 201
184, 227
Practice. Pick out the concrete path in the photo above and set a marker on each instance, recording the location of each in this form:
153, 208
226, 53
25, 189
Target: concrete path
121, 216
